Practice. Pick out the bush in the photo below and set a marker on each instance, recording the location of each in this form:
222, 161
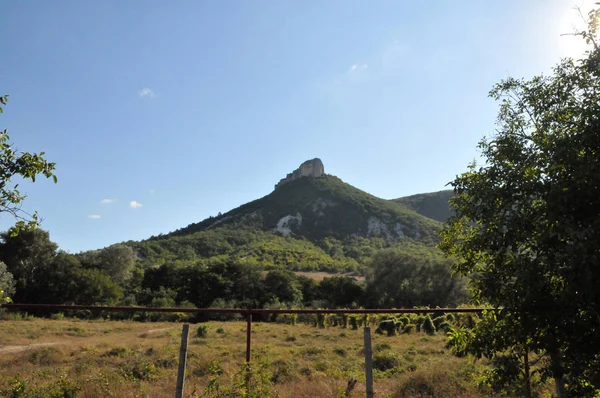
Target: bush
202, 331
353, 322
388, 326
382, 346
409, 329
444, 326
58, 316
385, 361
439, 320
140, 369
427, 326
282, 371
340, 351
117, 352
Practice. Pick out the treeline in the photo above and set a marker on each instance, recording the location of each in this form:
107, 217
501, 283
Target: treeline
33, 270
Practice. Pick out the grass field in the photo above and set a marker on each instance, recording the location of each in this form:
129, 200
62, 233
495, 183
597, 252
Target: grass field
100, 358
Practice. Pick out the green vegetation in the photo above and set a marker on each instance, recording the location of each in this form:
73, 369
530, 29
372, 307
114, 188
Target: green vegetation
124, 358
435, 205
20, 165
527, 231
332, 227
408, 275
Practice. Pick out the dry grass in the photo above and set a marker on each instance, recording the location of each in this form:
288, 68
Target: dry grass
320, 275
127, 359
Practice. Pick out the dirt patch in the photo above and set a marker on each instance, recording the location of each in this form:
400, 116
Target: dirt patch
18, 348
158, 330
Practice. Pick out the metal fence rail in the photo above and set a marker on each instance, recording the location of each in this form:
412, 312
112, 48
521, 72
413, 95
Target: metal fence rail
243, 311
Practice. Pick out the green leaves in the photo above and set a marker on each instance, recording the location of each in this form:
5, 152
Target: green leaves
527, 228
19, 164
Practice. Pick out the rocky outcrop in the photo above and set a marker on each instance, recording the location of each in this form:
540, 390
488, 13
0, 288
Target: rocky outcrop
311, 168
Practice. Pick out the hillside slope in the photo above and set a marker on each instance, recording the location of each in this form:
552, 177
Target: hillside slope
317, 223
434, 205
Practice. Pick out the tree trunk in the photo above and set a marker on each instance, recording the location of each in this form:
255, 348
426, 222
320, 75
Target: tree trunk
559, 383
558, 374
527, 374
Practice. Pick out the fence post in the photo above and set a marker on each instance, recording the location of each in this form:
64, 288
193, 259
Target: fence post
248, 351
182, 361
368, 363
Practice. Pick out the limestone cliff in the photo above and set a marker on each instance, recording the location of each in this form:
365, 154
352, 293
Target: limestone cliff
311, 168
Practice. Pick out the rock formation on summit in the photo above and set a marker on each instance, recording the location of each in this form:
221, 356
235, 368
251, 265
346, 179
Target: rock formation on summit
311, 168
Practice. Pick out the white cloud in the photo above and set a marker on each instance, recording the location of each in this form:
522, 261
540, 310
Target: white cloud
134, 204
94, 216
146, 92
357, 67
107, 201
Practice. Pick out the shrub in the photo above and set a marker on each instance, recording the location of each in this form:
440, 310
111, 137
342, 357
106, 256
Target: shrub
427, 326
140, 369
444, 326
408, 329
388, 326
404, 320
382, 346
353, 322
282, 371
117, 352
322, 321
340, 351
58, 316
439, 320
220, 331
385, 361
202, 331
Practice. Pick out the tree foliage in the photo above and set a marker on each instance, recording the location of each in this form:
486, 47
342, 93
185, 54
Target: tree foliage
7, 282
15, 164
413, 277
527, 227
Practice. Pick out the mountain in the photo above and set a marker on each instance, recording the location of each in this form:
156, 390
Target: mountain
434, 205
311, 221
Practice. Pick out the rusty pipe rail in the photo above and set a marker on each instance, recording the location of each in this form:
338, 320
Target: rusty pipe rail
242, 311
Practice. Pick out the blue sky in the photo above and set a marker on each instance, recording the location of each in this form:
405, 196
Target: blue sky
159, 114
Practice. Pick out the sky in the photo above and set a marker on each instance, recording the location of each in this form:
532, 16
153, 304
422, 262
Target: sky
159, 114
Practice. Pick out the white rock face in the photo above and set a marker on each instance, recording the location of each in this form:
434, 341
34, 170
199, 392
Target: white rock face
399, 229
219, 222
311, 168
285, 223
376, 227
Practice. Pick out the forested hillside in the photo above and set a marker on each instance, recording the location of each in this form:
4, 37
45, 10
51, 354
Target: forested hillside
249, 255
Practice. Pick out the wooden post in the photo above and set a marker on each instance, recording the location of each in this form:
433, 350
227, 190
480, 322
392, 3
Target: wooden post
368, 363
182, 361
248, 337
248, 351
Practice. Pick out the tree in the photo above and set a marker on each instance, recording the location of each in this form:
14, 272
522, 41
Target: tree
7, 282
26, 255
341, 291
527, 227
411, 277
25, 165
283, 286
117, 261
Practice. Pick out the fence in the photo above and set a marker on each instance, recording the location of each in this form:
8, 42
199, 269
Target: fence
248, 314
